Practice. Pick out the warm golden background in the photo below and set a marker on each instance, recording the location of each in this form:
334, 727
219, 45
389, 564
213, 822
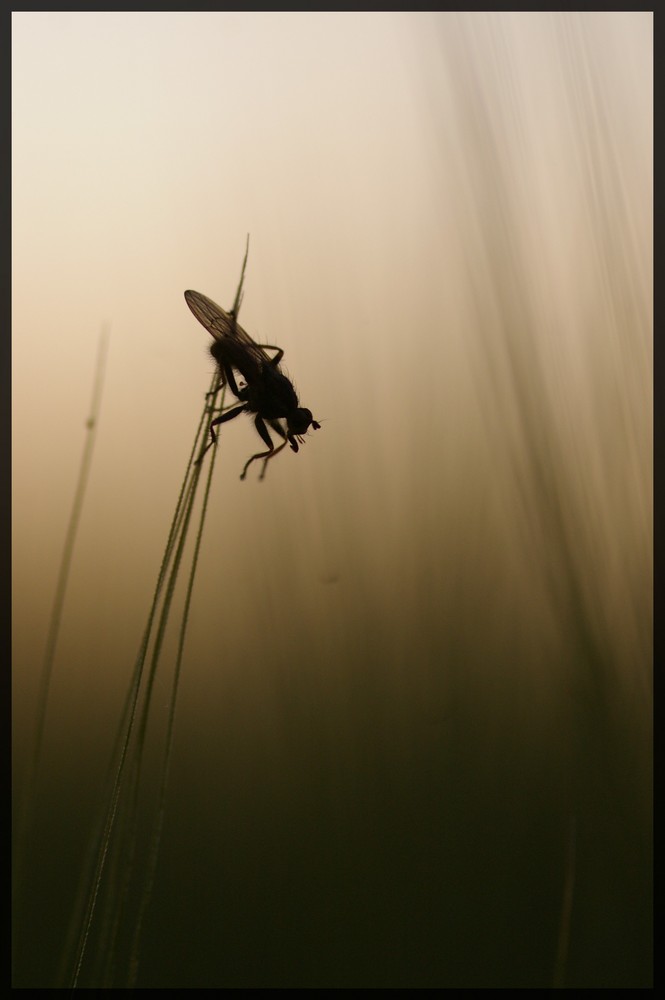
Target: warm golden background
419, 653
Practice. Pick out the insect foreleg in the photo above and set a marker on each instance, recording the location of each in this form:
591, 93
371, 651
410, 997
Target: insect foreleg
231, 379
272, 451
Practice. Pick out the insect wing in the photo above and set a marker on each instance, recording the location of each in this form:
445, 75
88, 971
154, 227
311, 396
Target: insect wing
215, 319
222, 325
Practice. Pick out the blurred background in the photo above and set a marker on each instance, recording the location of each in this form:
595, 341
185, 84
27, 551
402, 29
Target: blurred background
413, 735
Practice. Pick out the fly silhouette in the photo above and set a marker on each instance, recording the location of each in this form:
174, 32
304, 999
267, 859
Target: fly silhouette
266, 391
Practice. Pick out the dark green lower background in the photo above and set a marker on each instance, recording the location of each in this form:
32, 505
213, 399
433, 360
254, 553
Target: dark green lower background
329, 847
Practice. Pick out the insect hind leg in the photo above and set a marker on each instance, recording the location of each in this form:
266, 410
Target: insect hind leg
227, 415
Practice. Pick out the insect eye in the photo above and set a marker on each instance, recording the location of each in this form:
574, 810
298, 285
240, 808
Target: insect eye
300, 420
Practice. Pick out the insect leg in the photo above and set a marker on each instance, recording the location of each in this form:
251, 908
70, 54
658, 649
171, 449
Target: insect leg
226, 374
276, 427
231, 379
265, 434
222, 409
263, 431
227, 415
278, 357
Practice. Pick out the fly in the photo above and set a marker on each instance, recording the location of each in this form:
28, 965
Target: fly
266, 390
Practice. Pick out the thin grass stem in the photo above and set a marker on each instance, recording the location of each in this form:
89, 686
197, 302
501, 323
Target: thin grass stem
134, 724
27, 806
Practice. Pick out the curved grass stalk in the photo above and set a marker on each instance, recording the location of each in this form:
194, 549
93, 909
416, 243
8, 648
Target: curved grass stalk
133, 793
134, 721
95, 850
134, 724
161, 810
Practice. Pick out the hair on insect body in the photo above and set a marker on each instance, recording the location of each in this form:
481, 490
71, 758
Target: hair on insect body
266, 391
